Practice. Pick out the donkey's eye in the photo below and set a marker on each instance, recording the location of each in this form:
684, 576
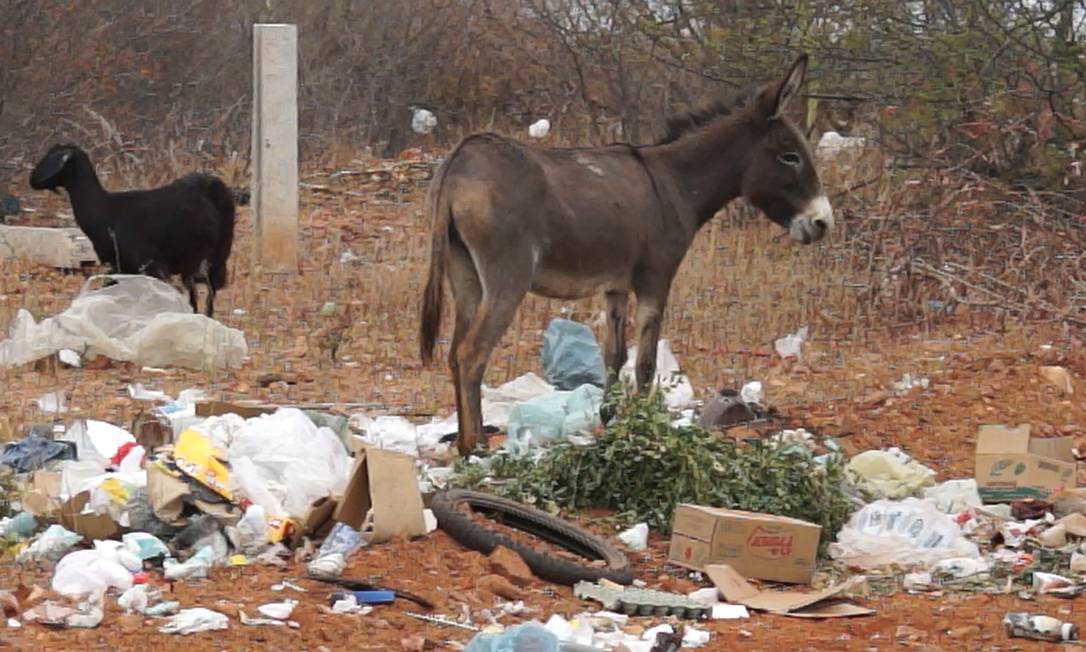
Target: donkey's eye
790, 158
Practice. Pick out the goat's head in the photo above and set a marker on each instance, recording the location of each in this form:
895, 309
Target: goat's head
54, 170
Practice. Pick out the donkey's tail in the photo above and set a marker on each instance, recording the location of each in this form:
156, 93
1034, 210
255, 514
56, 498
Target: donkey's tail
440, 213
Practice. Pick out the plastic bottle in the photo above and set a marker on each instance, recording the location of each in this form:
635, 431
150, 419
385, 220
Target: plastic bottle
1039, 627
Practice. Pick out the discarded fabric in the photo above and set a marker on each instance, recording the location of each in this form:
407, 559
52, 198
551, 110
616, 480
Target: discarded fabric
33, 451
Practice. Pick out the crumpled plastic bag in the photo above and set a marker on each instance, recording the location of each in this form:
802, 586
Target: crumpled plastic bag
499, 401
89, 571
555, 415
888, 474
907, 533
571, 356
528, 636
955, 496
144, 545
49, 545
139, 319
198, 619
284, 462
678, 391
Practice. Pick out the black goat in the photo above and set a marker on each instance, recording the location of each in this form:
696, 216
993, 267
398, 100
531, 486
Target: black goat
185, 228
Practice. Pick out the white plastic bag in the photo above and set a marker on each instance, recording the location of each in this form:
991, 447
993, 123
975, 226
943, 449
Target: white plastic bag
907, 533
292, 461
678, 392
954, 496
635, 538
198, 619
140, 319
888, 474
86, 571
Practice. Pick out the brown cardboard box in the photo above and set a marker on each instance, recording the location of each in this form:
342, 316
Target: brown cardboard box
385, 482
1011, 465
762, 546
43, 498
90, 526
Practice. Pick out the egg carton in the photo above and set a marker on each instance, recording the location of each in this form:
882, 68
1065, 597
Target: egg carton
642, 602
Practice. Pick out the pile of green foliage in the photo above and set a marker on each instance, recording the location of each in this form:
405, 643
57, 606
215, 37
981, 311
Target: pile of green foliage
643, 467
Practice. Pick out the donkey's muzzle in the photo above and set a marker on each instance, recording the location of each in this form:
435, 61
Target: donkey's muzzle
814, 222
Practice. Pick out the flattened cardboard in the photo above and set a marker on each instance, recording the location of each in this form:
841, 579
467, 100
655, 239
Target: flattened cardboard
165, 492
89, 526
385, 482
757, 545
733, 587
1010, 464
43, 498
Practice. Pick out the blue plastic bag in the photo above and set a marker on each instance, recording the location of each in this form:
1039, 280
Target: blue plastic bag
571, 356
529, 637
554, 415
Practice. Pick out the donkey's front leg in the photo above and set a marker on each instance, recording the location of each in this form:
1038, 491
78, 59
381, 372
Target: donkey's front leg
650, 317
614, 336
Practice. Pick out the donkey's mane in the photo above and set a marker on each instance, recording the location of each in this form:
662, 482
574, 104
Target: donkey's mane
681, 124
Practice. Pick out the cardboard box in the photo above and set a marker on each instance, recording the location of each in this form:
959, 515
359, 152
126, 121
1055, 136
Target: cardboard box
1012, 465
756, 545
385, 483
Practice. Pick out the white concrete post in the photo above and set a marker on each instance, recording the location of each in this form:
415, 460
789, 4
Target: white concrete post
275, 146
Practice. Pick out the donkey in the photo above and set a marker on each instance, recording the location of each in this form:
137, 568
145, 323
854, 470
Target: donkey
510, 218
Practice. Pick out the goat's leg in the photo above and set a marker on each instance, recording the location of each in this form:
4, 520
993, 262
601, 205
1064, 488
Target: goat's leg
614, 336
650, 317
504, 287
190, 285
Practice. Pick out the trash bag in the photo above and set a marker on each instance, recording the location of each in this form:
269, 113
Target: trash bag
907, 533
499, 401
571, 357
144, 545
888, 474
554, 415
291, 462
33, 451
49, 545
89, 571
529, 637
954, 496
139, 319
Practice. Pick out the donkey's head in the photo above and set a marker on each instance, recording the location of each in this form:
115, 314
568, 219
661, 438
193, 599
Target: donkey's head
781, 179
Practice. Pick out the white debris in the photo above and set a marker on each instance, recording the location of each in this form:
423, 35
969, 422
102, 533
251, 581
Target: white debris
52, 403
832, 144
278, 610
695, 638
909, 382
752, 392
539, 128
423, 121
791, 345
198, 619
636, 538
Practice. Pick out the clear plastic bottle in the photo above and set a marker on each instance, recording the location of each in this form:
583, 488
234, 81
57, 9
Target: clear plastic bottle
1039, 627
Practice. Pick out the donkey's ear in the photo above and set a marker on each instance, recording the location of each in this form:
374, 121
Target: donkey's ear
779, 96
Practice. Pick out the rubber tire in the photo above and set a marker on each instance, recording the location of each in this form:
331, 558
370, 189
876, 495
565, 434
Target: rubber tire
562, 533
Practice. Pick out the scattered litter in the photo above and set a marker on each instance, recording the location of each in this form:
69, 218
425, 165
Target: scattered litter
53, 403
139, 319
528, 636
1060, 377
1058, 585
678, 391
49, 545
70, 358
266, 622
139, 598
791, 346
195, 567
966, 567
555, 415
826, 603
642, 602
33, 451
423, 121
87, 614
724, 611
278, 610
954, 496
888, 474
636, 537
347, 603
910, 382
571, 357
904, 533
695, 638
752, 392
198, 619
287, 584
19, 526
144, 545
1038, 627
539, 129
1056, 535
89, 571
331, 565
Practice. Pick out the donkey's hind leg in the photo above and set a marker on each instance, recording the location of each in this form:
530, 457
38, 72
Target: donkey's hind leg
467, 292
504, 286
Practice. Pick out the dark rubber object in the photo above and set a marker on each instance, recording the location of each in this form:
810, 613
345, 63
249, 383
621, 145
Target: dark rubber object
446, 507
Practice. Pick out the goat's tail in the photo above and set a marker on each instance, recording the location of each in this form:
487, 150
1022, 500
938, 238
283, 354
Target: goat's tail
223, 200
440, 214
